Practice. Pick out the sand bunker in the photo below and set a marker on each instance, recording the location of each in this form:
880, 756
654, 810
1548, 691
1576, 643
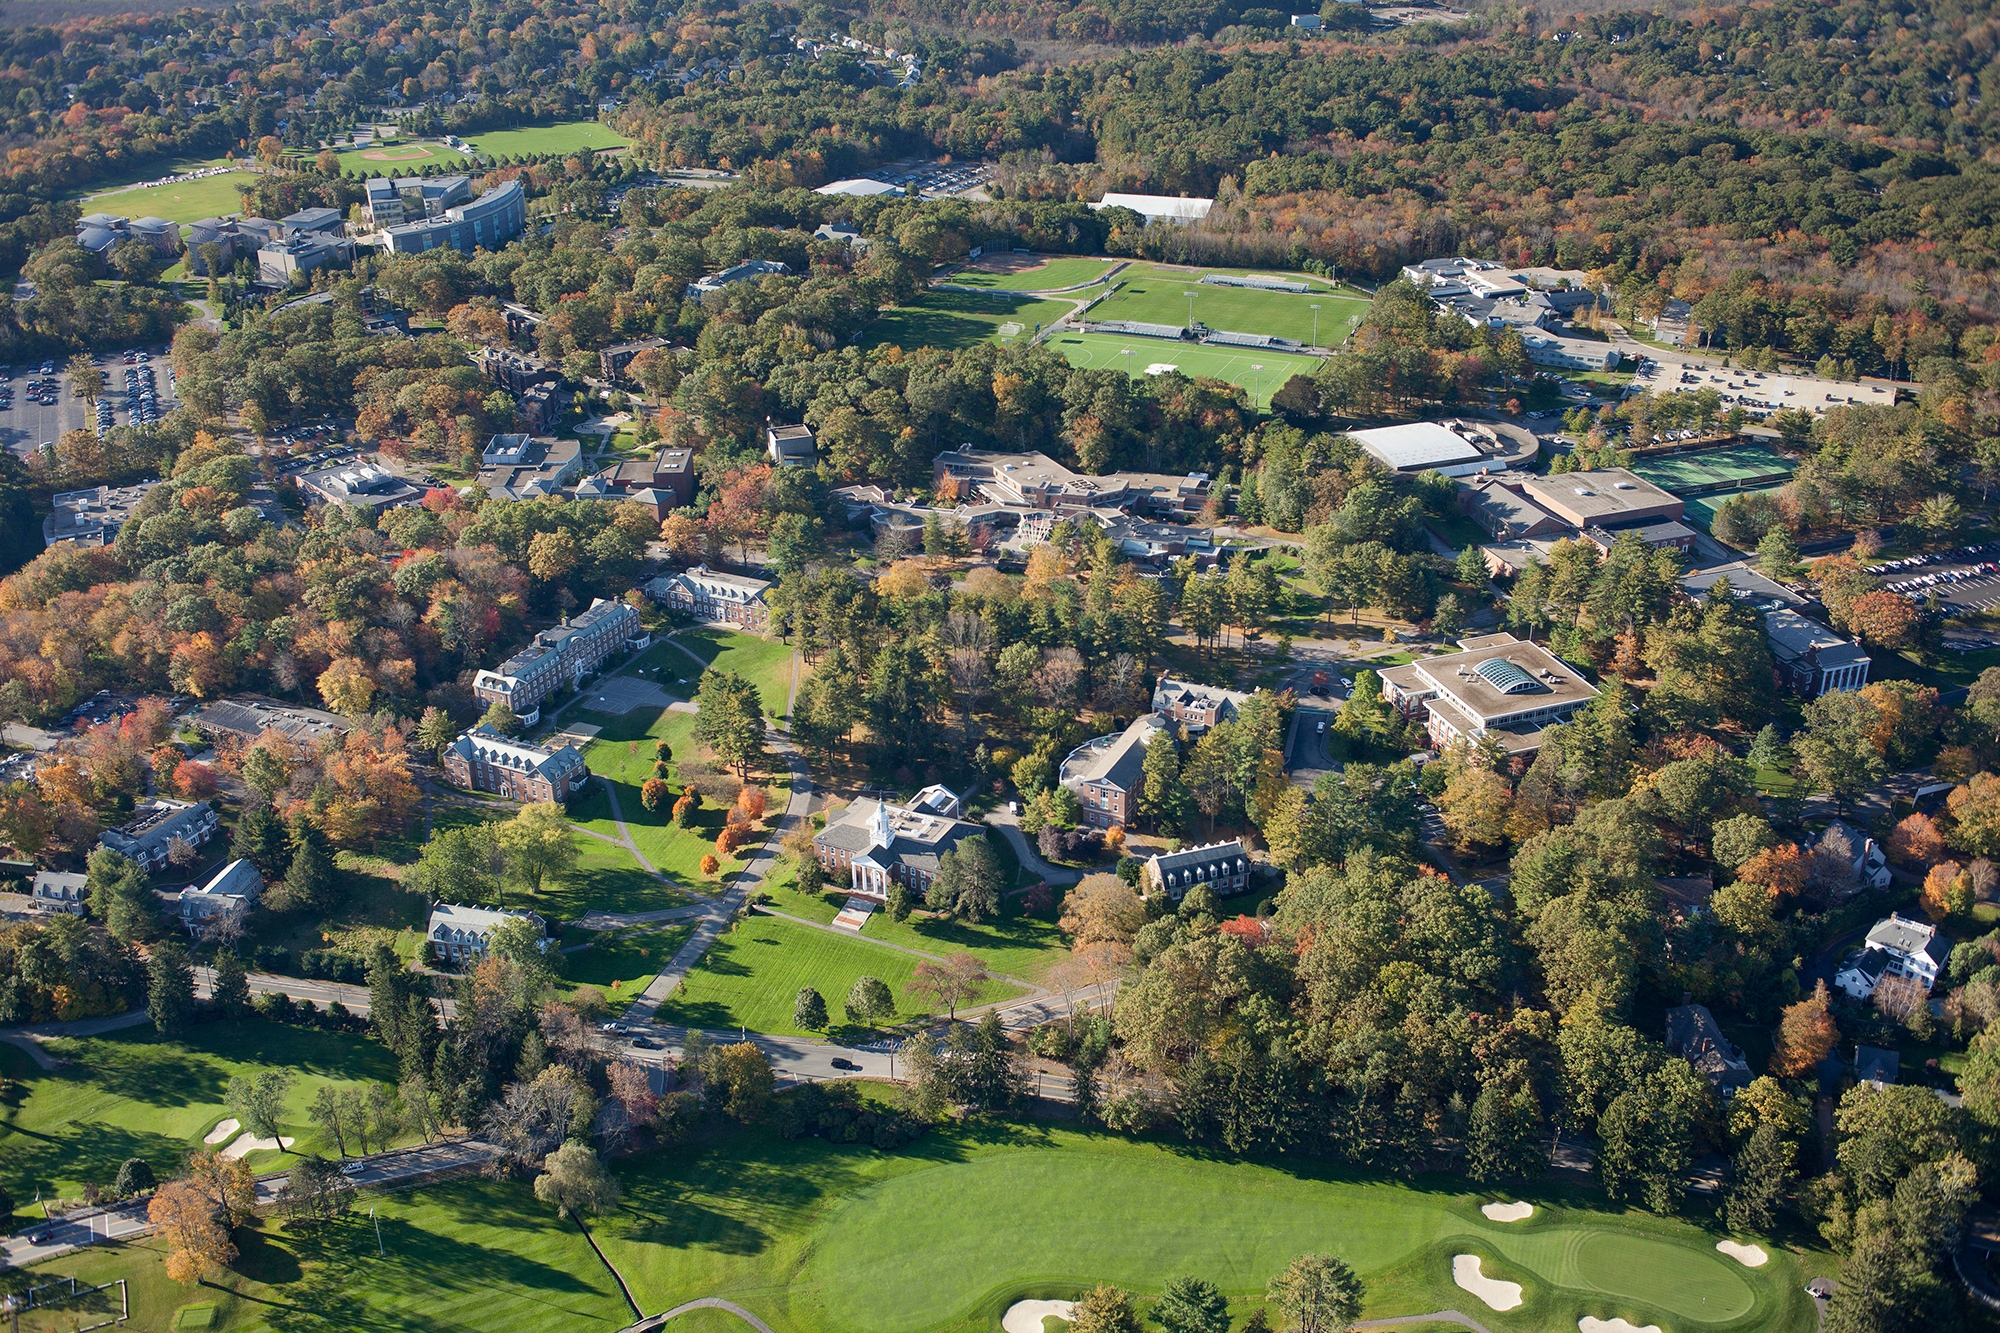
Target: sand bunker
1508, 1212
1500, 1295
1592, 1324
250, 1143
1027, 1316
221, 1133
1750, 1256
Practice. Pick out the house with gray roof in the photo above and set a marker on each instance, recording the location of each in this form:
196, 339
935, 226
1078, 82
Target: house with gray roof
1896, 946
1196, 707
875, 844
1106, 773
1223, 866
61, 891
230, 893
153, 827
460, 935
1695, 1036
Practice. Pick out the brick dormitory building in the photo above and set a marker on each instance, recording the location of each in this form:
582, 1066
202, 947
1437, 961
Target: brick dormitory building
484, 760
558, 658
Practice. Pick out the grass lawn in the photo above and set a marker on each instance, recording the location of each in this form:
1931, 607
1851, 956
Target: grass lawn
130, 1093
568, 137
211, 196
752, 977
1051, 274
811, 1236
620, 963
766, 663
953, 320
607, 880
399, 157
1016, 946
1155, 296
467, 1257
1235, 365
375, 906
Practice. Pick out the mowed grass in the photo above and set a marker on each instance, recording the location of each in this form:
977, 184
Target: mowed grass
1234, 365
766, 663
752, 976
1048, 276
1158, 297
821, 1238
132, 1093
1016, 946
954, 320
568, 137
607, 879
620, 962
211, 196
404, 157
468, 1257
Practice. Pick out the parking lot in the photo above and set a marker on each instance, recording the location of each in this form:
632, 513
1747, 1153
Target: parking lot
37, 406
931, 179
1757, 391
1967, 579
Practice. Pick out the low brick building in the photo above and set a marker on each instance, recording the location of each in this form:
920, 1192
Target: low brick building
716, 599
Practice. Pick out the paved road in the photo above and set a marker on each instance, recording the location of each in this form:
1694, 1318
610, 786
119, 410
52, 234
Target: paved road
1031, 860
125, 1220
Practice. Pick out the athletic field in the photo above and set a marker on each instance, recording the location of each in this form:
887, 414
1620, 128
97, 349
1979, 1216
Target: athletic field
1701, 510
397, 157
537, 140
211, 196
1153, 295
1713, 469
1029, 273
960, 319
1237, 365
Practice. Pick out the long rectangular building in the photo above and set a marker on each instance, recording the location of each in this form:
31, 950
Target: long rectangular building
484, 760
1497, 687
558, 658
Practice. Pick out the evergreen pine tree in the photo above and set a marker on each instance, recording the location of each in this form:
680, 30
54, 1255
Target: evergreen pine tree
230, 997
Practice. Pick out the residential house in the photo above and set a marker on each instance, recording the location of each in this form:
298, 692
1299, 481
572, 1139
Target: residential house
1868, 866
1876, 1067
229, 894
876, 844
1225, 867
1107, 773
1695, 1036
558, 658
459, 935
1497, 687
1895, 947
715, 599
484, 760
153, 827
61, 891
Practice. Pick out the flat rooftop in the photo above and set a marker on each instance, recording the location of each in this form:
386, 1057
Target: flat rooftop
1479, 680
1417, 445
1600, 496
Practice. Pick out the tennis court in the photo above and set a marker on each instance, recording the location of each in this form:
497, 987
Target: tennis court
1260, 372
1733, 468
1156, 296
1701, 512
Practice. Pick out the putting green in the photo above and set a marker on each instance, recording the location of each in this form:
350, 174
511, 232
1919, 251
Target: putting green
1135, 1215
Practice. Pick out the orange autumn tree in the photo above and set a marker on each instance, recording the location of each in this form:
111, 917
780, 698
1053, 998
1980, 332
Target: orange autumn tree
1916, 841
1947, 891
1805, 1035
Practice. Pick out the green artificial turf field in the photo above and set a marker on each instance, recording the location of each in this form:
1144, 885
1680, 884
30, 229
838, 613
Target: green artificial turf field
752, 976
536, 140
1029, 273
816, 1238
211, 196
400, 157
1236, 365
1155, 296
1701, 509
131, 1093
953, 320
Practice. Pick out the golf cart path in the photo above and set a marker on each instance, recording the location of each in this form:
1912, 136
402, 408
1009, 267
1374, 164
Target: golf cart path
30, 1038
659, 1321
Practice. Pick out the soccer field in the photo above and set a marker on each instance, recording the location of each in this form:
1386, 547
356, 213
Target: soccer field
1157, 296
959, 319
1236, 365
211, 196
538, 139
1029, 273
390, 159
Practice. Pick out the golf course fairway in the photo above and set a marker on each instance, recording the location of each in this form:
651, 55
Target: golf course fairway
946, 1235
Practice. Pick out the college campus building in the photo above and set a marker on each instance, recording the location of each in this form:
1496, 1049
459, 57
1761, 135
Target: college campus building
484, 760
521, 467
1107, 773
1196, 707
875, 844
664, 482
754, 268
154, 825
1811, 659
558, 658
487, 223
1159, 207
100, 233
245, 717
1497, 687
1223, 866
715, 599
1034, 481
229, 895
459, 935
388, 202
363, 485
791, 446
92, 517
1455, 448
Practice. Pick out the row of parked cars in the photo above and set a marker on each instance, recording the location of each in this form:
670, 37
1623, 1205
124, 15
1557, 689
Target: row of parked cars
1971, 568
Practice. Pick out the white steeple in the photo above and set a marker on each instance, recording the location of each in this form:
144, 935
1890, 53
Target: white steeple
880, 834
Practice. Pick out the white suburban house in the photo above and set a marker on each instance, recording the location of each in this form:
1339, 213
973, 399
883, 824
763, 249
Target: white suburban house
876, 843
61, 891
231, 893
459, 934
1497, 687
1866, 863
1896, 947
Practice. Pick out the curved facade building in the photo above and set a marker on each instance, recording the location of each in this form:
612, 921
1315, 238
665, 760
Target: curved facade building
488, 222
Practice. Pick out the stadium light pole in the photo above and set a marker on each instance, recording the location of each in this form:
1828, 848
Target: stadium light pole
1128, 363
1260, 383
1190, 323
1315, 311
